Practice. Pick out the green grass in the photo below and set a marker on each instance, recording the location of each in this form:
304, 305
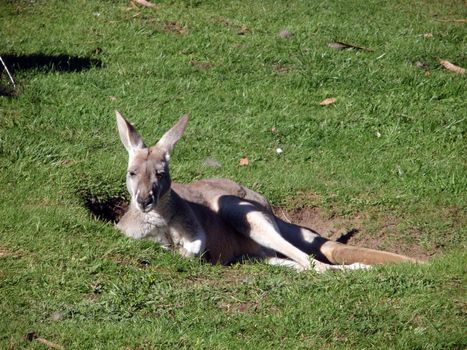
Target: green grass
393, 145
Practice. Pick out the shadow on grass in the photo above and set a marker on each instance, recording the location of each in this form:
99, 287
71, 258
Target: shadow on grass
6, 90
61, 63
345, 237
43, 62
109, 209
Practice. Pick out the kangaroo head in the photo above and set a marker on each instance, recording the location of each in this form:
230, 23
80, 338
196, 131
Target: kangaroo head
148, 178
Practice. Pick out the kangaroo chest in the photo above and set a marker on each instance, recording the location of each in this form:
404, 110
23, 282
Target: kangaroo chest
156, 228
160, 230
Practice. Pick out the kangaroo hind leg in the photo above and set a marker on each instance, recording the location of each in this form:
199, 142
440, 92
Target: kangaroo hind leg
333, 252
257, 224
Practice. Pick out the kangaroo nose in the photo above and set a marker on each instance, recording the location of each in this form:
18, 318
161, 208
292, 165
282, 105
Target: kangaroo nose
145, 202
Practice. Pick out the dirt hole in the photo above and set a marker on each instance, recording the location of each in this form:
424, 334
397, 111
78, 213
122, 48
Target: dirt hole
108, 209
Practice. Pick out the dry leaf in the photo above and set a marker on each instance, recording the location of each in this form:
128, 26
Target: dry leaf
339, 45
244, 161
428, 35
145, 3
243, 30
327, 101
451, 67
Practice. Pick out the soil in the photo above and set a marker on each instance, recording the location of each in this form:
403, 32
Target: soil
351, 230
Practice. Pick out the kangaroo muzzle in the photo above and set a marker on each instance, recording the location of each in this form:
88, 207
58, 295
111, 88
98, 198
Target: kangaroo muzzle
146, 202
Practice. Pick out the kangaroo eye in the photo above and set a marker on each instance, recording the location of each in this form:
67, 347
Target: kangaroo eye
131, 173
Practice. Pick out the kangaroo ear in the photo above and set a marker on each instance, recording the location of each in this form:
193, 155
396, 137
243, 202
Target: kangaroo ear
128, 134
170, 138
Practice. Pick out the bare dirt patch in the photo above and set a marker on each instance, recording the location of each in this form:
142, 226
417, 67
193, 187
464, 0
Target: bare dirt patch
239, 306
200, 65
121, 259
7, 253
240, 29
330, 226
175, 27
280, 68
233, 277
385, 234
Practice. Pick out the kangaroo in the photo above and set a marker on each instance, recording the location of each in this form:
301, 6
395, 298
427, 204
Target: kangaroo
218, 219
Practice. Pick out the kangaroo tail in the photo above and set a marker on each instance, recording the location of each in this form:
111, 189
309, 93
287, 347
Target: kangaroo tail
333, 252
338, 253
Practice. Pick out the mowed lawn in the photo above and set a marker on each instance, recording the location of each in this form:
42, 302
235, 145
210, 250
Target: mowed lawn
388, 157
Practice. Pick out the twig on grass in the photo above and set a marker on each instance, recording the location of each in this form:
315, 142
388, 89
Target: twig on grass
340, 45
462, 20
33, 336
8, 72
